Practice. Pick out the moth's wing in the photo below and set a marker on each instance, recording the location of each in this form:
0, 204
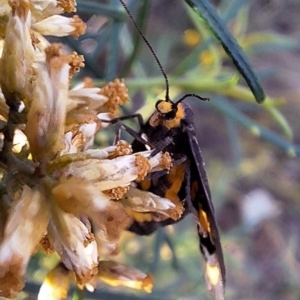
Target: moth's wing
210, 244
158, 186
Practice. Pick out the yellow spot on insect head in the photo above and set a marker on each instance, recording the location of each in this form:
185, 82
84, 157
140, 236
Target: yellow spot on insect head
191, 37
204, 221
213, 274
164, 107
176, 121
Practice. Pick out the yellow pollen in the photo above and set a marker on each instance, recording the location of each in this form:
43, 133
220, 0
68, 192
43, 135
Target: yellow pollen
79, 27
142, 165
123, 148
117, 193
68, 6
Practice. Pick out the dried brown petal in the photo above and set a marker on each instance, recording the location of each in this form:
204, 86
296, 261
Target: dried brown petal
11, 277
45, 245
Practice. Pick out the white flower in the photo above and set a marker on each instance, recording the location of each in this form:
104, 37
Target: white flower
56, 284
47, 115
143, 201
75, 195
18, 54
89, 96
116, 274
26, 224
60, 26
144, 206
74, 243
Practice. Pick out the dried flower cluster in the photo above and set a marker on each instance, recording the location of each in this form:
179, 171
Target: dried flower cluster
57, 193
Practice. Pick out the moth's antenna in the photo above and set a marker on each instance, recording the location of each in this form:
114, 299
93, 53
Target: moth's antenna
191, 95
151, 50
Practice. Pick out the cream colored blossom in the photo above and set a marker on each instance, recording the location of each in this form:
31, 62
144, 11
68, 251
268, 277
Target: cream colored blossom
60, 26
108, 174
86, 96
105, 247
57, 189
74, 243
25, 225
3, 107
72, 147
75, 195
116, 274
42, 9
142, 201
45, 127
56, 284
20, 140
18, 54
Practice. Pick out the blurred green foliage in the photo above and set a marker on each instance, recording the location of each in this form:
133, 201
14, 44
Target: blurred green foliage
237, 162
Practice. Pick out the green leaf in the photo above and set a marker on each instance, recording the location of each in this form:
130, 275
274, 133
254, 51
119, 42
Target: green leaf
256, 129
110, 11
206, 11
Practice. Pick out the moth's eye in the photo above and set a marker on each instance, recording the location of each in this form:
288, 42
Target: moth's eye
170, 115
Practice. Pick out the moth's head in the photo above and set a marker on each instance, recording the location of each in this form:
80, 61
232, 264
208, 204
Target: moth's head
166, 109
167, 114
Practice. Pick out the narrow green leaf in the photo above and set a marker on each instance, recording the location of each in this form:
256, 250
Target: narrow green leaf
101, 9
113, 53
78, 294
141, 20
256, 129
231, 8
230, 45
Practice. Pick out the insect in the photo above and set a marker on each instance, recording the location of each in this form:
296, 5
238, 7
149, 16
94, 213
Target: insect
171, 128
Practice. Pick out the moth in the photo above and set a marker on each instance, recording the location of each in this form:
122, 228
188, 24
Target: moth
171, 128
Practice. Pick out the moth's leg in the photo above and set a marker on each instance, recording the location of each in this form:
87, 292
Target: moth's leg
158, 174
121, 126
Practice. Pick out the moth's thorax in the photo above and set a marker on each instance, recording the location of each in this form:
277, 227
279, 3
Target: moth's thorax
164, 110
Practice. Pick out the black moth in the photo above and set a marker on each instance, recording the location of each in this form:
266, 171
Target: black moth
171, 128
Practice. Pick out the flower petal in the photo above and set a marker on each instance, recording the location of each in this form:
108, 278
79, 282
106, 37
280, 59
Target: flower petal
60, 26
18, 53
116, 274
56, 284
46, 118
143, 201
25, 226
74, 243
77, 196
